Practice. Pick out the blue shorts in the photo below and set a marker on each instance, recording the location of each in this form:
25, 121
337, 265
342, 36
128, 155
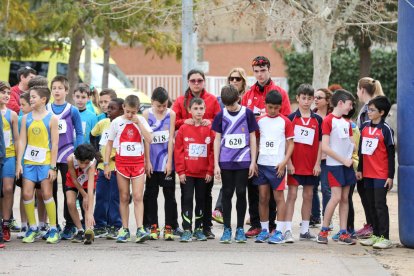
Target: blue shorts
303, 180
35, 173
375, 183
267, 175
341, 176
9, 167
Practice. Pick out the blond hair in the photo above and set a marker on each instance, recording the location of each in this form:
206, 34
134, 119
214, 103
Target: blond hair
242, 74
372, 86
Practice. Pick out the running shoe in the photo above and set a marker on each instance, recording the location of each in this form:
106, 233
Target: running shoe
253, 232
186, 236
22, 233
178, 232
14, 227
79, 237
208, 234
263, 236
308, 236
68, 233
53, 236
6, 233
89, 236
100, 232
217, 216
123, 235
31, 235
336, 236
226, 237
154, 232
199, 235
365, 232
346, 239
44, 231
112, 233
289, 237
240, 235
168, 233
370, 241
322, 237
141, 235
382, 243
276, 238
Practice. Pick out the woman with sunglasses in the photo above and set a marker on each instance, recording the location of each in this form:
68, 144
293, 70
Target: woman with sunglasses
196, 81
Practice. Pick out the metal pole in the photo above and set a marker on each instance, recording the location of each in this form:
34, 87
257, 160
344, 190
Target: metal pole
189, 41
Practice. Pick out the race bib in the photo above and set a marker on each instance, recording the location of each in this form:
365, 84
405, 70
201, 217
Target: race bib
35, 154
304, 135
104, 138
343, 130
62, 126
7, 136
131, 149
269, 147
197, 150
235, 141
160, 137
82, 178
369, 145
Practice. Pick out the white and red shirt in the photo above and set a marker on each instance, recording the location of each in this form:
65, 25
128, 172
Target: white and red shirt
340, 141
128, 141
308, 134
274, 131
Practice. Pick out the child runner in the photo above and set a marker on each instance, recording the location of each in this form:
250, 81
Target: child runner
38, 143
159, 165
234, 157
106, 214
81, 179
275, 149
194, 164
2, 157
338, 144
377, 167
305, 165
105, 97
126, 134
11, 136
81, 97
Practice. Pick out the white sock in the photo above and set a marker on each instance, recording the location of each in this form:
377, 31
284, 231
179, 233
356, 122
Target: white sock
41, 224
288, 226
265, 225
24, 224
280, 226
304, 228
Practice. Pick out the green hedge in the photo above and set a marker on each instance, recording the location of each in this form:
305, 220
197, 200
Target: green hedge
345, 70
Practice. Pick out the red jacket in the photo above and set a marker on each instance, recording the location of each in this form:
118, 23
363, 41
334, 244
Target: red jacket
14, 102
212, 108
254, 99
193, 151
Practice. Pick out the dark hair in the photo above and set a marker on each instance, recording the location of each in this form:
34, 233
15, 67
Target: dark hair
160, 95
229, 94
187, 92
198, 101
42, 91
273, 97
83, 88
38, 81
305, 89
4, 85
108, 91
25, 71
261, 61
132, 101
25, 96
61, 79
341, 95
351, 113
118, 101
381, 103
85, 152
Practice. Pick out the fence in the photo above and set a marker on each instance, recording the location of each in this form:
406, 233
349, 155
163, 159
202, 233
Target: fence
147, 83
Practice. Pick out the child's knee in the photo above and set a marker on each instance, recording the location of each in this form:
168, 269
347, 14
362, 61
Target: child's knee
137, 198
124, 197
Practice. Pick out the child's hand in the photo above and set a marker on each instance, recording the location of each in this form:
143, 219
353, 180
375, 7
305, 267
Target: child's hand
252, 170
291, 169
217, 172
208, 178
168, 169
358, 175
205, 122
107, 172
51, 175
189, 122
19, 171
281, 168
317, 170
90, 220
389, 184
148, 169
182, 178
135, 119
348, 163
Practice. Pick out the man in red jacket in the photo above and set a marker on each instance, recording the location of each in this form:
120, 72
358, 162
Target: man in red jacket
24, 75
254, 99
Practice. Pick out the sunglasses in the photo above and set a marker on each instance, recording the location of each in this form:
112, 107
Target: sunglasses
319, 97
194, 81
235, 79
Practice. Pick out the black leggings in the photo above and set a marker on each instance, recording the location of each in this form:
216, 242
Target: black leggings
364, 200
63, 169
234, 180
253, 194
377, 202
199, 186
351, 211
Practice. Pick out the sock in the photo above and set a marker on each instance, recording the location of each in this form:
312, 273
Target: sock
24, 224
304, 228
41, 224
6, 222
280, 226
342, 231
325, 228
29, 207
288, 226
265, 225
51, 211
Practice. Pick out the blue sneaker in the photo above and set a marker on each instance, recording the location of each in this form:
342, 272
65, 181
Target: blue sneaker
186, 236
276, 238
226, 238
336, 236
240, 235
123, 235
53, 237
68, 233
263, 236
199, 235
178, 232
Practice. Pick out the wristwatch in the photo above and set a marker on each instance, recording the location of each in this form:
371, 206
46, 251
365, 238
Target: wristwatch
54, 168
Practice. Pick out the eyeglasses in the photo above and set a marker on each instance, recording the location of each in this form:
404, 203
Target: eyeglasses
235, 79
194, 81
370, 110
319, 97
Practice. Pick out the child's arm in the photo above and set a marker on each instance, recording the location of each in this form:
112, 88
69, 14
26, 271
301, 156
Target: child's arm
77, 123
54, 133
210, 156
168, 168
253, 155
317, 168
90, 221
148, 165
281, 167
144, 128
179, 156
217, 142
15, 129
21, 147
327, 149
108, 150
72, 173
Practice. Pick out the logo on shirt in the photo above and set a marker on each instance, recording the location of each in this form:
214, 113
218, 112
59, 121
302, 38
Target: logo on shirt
208, 140
36, 131
249, 102
130, 133
242, 129
186, 139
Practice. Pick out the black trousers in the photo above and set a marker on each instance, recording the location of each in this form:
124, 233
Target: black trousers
377, 202
234, 180
63, 169
208, 205
351, 212
197, 186
152, 188
219, 205
253, 195
364, 200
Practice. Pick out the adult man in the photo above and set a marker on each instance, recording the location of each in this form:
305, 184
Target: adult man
24, 75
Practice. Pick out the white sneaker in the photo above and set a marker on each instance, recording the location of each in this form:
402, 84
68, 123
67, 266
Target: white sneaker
289, 237
382, 243
369, 242
22, 233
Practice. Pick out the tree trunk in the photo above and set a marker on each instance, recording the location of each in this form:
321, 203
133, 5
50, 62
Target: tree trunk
74, 57
106, 48
364, 47
322, 43
88, 57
